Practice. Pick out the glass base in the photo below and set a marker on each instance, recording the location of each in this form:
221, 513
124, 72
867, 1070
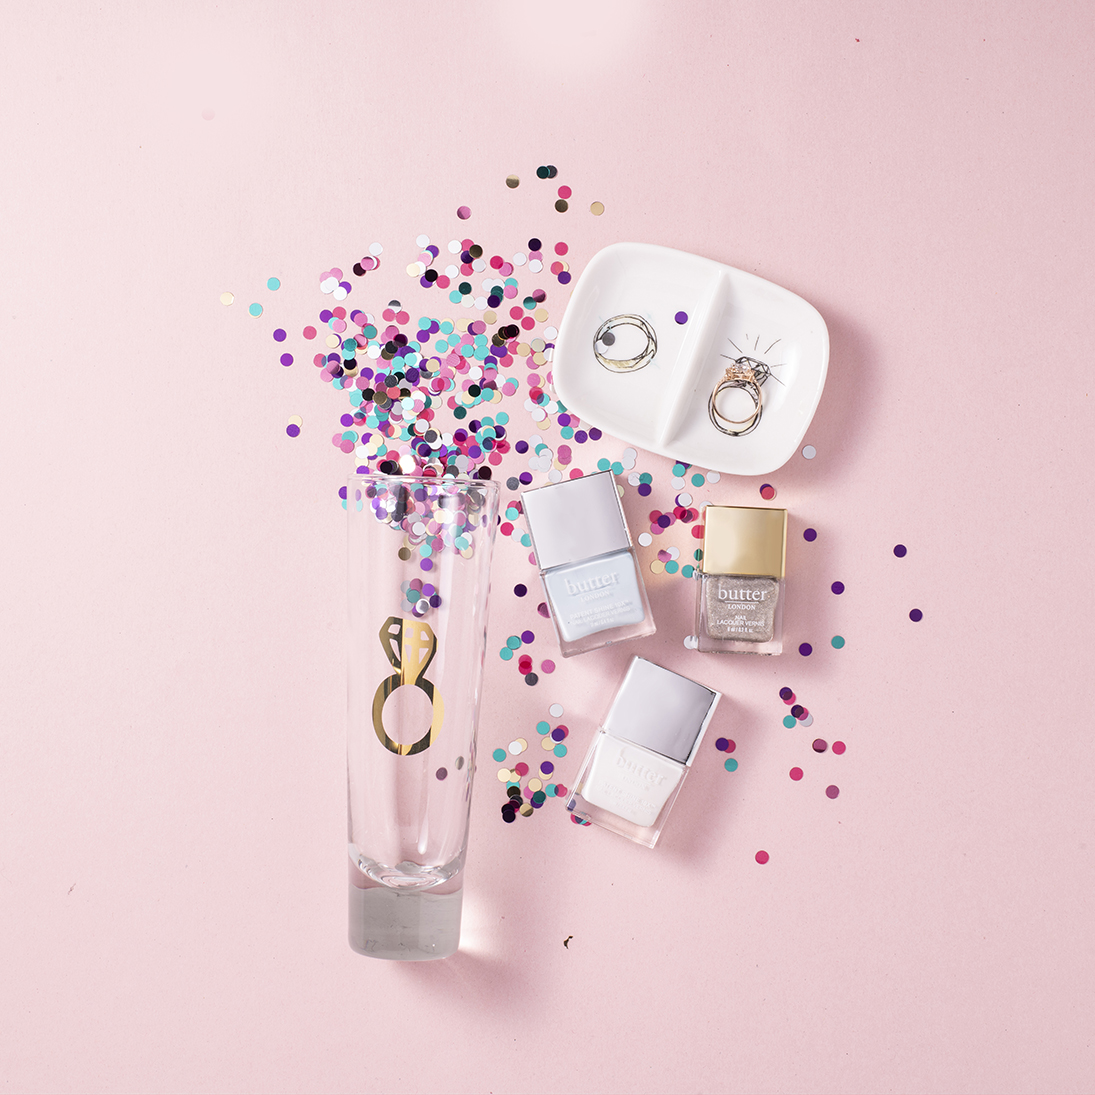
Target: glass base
405, 927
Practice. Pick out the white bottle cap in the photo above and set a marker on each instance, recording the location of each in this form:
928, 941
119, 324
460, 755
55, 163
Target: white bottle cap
661, 710
575, 520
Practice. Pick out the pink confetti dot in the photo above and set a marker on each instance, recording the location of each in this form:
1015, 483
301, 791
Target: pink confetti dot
795, 774
761, 857
463, 212
832, 790
839, 747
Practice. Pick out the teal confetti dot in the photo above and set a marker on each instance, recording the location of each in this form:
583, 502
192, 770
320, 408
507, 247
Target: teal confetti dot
687, 570
617, 468
671, 567
560, 750
730, 765
514, 642
838, 641
789, 721
273, 283
603, 464
698, 480
255, 309
505, 654
499, 755
679, 470
646, 477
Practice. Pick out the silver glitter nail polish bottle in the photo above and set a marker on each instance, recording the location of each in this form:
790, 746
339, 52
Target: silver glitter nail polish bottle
740, 602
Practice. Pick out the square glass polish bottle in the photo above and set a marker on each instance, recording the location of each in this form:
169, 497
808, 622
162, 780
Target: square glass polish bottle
740, 602
637, 763
587, 563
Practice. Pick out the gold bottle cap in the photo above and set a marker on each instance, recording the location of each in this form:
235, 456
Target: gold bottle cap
744, 540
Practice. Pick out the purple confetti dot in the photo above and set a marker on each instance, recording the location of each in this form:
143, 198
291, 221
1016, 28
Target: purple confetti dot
543, 609
900, 550
805, 650
442, 773
681, 317
916, 615
721, 744
644, 489
837, 587
528, 637
594, 434
832, 790
342, 492
810, 535
287, 360
564, 278
347, 420
558, 734
547, 767
520, 590
798, 710
785, 693
293, 430
521, 447
525, 477
279, 335
581, 437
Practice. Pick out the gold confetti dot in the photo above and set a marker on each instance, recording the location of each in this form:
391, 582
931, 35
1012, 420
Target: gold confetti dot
504, 775
333, 341
526, 810
657, 567
227, 298
513, 182
490, 315
535, 784
547, 743
540, 315
296, 420
597, 208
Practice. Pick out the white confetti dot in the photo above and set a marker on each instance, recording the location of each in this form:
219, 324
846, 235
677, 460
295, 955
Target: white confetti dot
556, 710
423, 241
376, 249
633, 479
535, 266
684, 499
713, 477
328, 285
691, 642
808, 721
555, 476
550, 332
809, 452
454, 247
645, 539
520, 259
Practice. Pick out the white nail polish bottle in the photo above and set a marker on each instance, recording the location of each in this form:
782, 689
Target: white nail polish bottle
636, 765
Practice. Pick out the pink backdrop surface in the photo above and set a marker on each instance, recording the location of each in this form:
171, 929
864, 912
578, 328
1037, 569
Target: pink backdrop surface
172, 781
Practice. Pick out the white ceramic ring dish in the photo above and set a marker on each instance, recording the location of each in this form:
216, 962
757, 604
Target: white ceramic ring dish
663, 405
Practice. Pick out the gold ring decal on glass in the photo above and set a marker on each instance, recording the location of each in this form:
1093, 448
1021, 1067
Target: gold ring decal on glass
410, 646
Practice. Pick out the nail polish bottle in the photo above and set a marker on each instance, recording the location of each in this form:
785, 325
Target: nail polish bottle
637, 763
740, 602
587, 563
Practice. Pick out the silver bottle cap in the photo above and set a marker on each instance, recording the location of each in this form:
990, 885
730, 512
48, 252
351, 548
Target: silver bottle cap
575, 520
661, 710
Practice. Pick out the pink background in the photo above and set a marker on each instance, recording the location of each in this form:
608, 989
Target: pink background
172, 871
